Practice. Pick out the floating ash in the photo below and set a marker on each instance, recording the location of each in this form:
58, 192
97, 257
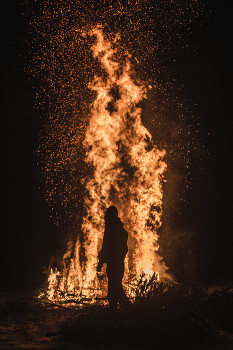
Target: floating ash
127, 171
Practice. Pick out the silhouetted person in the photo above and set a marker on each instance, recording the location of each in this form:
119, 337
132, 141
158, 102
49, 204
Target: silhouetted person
113, 252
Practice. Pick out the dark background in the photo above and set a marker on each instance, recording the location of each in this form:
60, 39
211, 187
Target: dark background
29, 236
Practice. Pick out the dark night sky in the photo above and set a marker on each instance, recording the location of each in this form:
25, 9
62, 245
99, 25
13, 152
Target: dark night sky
28, 233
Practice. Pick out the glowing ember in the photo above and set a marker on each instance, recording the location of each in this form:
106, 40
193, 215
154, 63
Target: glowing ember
127, 172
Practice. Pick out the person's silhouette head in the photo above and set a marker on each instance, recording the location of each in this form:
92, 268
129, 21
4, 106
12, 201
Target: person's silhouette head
111, 214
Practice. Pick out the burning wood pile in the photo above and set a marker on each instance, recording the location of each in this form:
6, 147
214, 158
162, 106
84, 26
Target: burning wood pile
127, 171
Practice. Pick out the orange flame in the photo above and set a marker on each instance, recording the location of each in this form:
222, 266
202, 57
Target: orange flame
127, 172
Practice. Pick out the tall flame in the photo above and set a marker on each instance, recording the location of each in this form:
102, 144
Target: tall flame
127, 172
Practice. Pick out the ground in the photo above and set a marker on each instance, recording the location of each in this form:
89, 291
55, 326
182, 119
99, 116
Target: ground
29, 324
